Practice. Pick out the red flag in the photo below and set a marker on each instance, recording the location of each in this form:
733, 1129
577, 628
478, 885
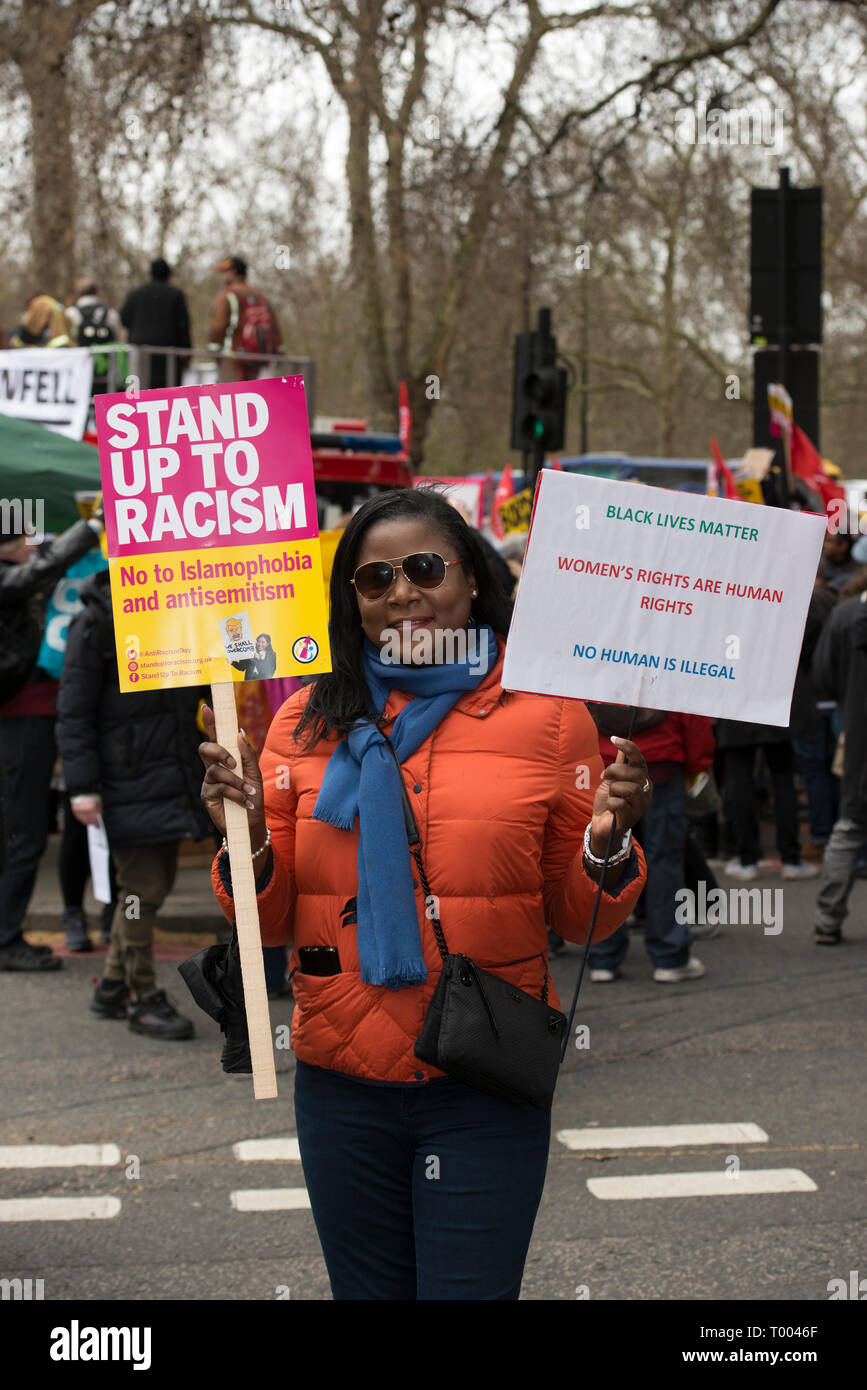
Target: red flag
405, 417
556, 465
807, 463
505, 490
729, 489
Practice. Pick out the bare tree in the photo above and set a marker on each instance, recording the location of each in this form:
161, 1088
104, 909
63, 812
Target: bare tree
45, 41
377, 57
457, 217
37, 38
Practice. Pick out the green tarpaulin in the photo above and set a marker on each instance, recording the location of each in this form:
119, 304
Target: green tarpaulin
36, 463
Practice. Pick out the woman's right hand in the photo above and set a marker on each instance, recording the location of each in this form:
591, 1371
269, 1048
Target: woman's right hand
223, 783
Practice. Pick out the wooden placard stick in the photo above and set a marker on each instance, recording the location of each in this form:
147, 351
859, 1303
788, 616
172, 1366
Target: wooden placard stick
246, 909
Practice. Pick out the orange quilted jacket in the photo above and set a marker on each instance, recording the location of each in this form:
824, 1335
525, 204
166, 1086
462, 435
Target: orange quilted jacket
501, 820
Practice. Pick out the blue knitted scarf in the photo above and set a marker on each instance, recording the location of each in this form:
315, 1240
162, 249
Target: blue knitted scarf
361, 780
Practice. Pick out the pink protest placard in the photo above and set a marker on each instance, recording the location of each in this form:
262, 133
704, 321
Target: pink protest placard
200, 466
211, 525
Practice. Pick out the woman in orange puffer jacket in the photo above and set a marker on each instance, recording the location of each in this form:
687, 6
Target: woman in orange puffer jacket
421, 1186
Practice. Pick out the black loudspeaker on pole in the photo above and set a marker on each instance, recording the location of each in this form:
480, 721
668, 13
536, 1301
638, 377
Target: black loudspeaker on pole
786, 305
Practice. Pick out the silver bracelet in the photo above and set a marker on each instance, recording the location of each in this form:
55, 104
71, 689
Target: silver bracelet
225, 846
618, 858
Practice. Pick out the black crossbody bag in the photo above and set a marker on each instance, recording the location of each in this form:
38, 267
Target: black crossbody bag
480, 1029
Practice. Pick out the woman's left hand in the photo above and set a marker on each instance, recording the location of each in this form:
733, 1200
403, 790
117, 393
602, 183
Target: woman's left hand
624, 793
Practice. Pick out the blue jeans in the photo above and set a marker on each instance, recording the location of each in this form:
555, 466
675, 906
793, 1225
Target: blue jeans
662, 835
814, 753
426, 1192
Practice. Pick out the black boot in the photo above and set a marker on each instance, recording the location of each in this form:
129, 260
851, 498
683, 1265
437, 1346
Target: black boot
20, 955
75, 926
109, 999
153, 1015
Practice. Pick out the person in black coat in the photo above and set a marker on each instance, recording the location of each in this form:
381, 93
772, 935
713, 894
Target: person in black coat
840, 673
811, 727
133, 760
740, 742
156, 315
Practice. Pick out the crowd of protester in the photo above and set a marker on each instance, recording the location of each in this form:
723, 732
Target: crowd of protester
243, 328
130, 762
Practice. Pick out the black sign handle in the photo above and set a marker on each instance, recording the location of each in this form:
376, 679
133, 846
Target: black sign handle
594, 914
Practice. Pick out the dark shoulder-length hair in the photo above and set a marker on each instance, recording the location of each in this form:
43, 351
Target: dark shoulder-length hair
340, 697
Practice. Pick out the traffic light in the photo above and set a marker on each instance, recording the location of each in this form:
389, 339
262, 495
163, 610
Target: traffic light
544, 417
539, 400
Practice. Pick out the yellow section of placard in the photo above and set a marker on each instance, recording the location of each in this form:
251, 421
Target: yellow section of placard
750, 490
328, 542
198, 617
515, 513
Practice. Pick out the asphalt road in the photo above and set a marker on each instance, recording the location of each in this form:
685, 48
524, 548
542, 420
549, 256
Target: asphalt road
774, 1036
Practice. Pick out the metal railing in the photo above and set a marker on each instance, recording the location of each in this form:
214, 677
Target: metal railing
144, 368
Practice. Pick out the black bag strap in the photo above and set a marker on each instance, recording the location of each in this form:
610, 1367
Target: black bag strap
568, 1030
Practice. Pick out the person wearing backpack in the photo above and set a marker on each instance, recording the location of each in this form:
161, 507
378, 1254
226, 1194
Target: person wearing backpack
94, 324
43, 324
27, 713
242, 321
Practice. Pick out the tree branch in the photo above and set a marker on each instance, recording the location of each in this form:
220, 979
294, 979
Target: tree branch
666, 68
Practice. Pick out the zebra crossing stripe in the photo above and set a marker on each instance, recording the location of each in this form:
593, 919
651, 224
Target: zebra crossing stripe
661, 1136
59, 1208
271, 1199
748, 1182
58, 1155
267, 1151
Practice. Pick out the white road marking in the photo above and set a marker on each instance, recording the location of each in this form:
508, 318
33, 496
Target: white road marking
271, 1199
59, 1208
748, 1182
58, 1155
661, 1136
267, 1151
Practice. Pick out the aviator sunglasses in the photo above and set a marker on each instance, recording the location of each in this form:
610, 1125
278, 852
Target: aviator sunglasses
424, 570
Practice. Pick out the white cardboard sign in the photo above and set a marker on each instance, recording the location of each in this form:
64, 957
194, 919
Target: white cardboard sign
100, 876
636, 595
47, 386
